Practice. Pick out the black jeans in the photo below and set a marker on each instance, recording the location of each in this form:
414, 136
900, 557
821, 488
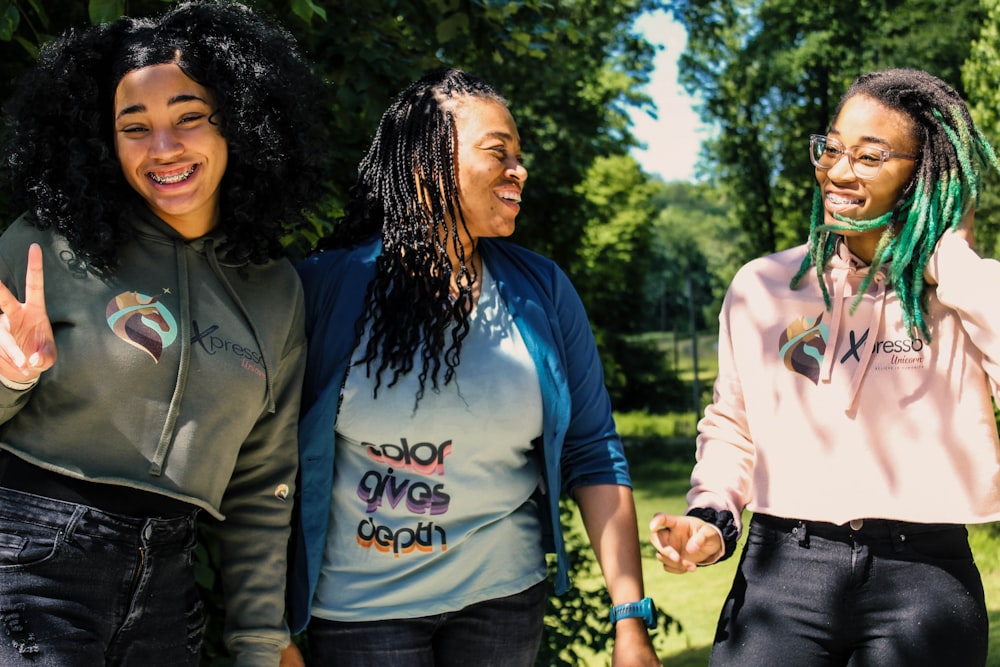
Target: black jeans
883, 594
80, 587
505, 632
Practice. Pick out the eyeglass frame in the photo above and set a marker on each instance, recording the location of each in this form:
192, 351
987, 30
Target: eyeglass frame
846, 150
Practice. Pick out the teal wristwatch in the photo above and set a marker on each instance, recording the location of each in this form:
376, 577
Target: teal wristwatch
643, 609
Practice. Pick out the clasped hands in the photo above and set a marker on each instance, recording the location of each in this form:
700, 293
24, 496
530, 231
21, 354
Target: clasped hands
684, 542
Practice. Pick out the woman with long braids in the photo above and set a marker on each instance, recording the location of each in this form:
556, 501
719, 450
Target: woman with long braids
852, 411
152, 341
453, 392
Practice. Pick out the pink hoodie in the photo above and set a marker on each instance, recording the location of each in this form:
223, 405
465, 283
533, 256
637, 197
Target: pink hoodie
833, 415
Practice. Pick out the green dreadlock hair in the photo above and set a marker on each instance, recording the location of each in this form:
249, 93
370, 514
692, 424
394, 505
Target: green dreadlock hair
945, 185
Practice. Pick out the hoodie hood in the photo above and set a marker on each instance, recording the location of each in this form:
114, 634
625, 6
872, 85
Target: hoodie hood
845, 274
208, 247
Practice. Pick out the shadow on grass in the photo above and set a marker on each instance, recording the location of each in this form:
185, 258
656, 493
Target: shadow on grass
694, 657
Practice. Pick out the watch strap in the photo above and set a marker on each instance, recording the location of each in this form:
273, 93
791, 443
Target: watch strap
642, 609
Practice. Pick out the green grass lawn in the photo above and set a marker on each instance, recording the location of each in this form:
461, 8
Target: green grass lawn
694, 599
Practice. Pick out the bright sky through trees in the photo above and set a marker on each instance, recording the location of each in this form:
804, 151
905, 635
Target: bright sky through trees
673, 138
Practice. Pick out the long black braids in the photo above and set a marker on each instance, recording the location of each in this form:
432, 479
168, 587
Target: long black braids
944, 187
407, 193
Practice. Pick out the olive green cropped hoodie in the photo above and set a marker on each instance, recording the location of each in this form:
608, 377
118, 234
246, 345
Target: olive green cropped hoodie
178, 375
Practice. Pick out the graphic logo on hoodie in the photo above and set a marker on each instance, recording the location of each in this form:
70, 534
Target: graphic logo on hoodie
802, 345
142, 322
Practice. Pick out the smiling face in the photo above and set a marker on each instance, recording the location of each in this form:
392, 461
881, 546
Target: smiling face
864, 121
170, 152
490, 174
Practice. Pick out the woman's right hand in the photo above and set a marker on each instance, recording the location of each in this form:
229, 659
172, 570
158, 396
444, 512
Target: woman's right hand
684, 542
27, 346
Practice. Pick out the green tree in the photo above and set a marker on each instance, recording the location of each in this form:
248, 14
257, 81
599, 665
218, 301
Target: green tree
613, 262
570, 70
770, 72
615, 256
981, 76
693, 236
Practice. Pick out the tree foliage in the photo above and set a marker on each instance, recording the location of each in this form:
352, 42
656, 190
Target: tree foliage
770, 72
981, 76
570, 69
615, 257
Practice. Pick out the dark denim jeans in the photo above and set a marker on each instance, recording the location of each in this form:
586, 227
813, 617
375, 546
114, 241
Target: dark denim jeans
886, 594
505, 632
83, 588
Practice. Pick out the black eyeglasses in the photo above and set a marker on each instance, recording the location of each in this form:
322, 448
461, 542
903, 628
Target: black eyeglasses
866, 161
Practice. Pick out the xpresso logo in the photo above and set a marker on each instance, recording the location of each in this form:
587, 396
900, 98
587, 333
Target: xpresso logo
803, 345
251, 359
857, 344
900, 351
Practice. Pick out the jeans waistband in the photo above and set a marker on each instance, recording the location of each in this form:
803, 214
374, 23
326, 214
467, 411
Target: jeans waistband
19, 475
94, 522
859, 530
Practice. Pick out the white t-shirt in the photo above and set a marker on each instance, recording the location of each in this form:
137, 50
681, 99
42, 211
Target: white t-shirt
432, 508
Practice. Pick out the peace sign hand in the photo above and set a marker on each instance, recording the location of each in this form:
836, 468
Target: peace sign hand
27, 346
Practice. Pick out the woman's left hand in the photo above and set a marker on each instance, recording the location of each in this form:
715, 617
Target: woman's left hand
291, 657
633, 648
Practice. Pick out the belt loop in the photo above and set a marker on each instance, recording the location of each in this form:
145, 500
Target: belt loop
74, 522
801, 532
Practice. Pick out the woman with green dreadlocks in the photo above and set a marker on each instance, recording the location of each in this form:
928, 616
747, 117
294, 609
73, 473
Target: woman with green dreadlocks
852, 412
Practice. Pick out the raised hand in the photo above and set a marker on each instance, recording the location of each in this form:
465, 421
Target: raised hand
26, 344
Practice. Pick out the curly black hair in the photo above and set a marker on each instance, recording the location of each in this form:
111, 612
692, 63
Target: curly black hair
407, 193
272, 111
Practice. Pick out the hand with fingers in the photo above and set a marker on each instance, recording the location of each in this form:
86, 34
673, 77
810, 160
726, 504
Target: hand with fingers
27, 346
684, 542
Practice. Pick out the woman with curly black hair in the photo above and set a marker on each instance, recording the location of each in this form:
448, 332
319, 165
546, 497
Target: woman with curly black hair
447, 422
151, 343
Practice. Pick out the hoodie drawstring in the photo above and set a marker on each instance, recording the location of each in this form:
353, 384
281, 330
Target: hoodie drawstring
214, 263
839, 287
174, 409
869, 349
842, 274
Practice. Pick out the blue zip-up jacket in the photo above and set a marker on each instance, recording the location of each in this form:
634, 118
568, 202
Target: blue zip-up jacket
579, 440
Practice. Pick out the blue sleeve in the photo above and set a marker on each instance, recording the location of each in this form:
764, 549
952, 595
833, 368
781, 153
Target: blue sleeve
592, 452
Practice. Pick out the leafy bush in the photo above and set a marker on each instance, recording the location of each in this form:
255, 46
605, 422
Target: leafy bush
577, 623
